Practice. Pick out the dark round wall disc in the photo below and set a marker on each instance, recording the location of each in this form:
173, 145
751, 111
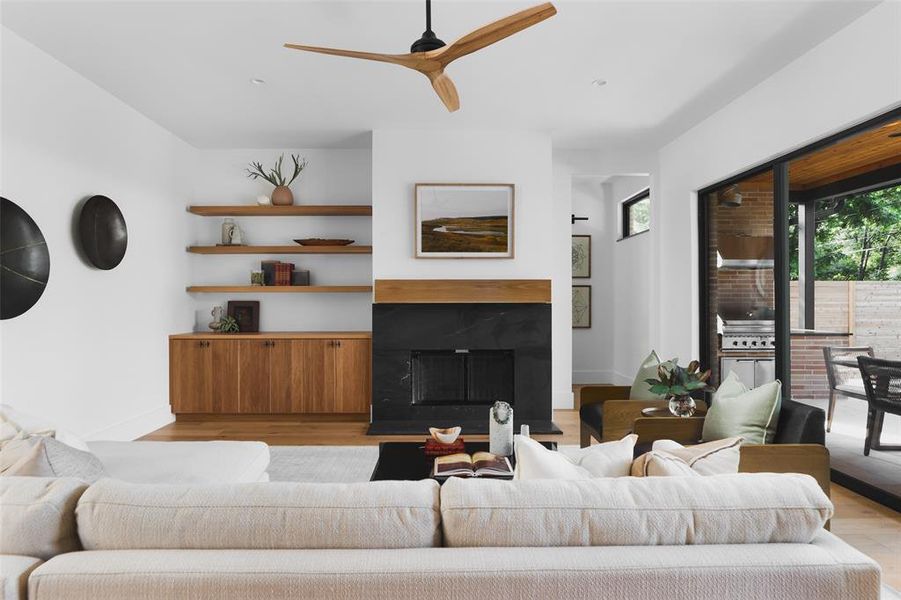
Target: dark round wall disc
24, 260
104, 236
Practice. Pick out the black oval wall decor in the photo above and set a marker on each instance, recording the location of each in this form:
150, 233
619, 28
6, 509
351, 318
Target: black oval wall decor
104, 236
24, 260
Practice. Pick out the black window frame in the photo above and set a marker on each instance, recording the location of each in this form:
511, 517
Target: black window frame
626, 206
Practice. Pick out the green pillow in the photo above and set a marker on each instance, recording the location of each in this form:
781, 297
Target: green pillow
736, 411
648, 370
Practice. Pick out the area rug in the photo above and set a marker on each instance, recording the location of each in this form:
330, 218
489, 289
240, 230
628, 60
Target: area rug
324, 464
351, 464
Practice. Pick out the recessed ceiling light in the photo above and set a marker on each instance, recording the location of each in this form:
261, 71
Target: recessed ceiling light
257, 81
599, 82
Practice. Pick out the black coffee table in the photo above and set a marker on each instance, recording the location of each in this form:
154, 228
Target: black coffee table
407, 460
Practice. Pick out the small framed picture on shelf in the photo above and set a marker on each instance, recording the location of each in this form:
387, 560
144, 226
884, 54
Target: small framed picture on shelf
581, 256
246, 313
581, 306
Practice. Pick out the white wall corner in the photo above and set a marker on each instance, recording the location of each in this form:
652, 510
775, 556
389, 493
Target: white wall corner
563, 400
133, 428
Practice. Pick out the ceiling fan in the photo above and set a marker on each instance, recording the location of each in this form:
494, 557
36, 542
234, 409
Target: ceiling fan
429, 55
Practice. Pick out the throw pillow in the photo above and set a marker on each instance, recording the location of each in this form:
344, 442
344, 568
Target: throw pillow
609, 459
648, 370
38, 456
736, 411
10, 417
668, 458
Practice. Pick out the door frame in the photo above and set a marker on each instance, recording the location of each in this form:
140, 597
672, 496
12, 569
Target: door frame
779, 166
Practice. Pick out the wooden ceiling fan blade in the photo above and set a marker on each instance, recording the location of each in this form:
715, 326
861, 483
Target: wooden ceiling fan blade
405, 60
445, 89
495, 32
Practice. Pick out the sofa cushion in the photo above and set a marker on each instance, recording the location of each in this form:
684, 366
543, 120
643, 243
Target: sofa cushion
609, 459
13, 421
184, 462
746, 508
14, 572
825, 569
39, 456
387, 514
736, 411
38, 516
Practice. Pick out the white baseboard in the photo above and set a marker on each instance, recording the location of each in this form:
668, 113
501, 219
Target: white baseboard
135, 427
582, 377
620, 379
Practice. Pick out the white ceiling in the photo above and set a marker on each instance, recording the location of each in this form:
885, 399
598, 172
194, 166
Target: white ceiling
187, 65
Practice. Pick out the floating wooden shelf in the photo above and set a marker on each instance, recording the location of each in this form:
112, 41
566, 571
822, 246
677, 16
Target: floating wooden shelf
305, 210
296, 249
278, 289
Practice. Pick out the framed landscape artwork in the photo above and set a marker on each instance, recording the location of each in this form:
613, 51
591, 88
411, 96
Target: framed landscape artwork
581, 256
464, 220
581, 306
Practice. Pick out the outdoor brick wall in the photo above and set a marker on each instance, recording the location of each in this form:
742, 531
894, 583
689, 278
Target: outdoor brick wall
730, 286
808, 367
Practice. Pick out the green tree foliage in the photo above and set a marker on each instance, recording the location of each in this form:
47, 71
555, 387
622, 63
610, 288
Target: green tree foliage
857, 239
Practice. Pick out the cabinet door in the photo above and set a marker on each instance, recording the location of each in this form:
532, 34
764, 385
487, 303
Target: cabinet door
190, 376
225, 375
352, 376
254, 376
283, 397
313, 376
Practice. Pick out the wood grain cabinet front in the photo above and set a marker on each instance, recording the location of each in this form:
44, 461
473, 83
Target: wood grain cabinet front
259, 375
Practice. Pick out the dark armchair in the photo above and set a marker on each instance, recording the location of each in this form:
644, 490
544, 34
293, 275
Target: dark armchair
798, 423
882, 381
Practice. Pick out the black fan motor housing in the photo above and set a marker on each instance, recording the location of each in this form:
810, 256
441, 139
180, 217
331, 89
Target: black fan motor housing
24, 258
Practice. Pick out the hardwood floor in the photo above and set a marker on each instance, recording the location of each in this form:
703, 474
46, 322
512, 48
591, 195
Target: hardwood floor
870, 527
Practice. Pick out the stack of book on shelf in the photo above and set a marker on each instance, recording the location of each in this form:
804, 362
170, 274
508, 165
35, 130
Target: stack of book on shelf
276, 272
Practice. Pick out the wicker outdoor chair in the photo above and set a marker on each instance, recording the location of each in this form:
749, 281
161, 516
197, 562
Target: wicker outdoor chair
882, 381
843, 375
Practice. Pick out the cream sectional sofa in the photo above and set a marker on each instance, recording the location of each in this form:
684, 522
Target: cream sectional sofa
755, 536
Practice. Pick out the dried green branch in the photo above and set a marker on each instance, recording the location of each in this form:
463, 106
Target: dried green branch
274, 175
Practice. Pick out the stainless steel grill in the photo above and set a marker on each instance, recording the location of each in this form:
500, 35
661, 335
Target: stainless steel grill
749, 335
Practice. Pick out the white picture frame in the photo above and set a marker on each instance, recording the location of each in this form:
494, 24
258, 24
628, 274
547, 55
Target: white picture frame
464, 220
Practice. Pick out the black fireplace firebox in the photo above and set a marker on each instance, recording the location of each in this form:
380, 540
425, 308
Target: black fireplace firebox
440, 365
462, 376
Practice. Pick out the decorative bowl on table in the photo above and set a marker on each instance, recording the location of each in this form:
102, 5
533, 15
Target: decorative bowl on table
324, 242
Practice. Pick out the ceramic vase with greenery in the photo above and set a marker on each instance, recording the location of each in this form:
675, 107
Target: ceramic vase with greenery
676, 384
281, 195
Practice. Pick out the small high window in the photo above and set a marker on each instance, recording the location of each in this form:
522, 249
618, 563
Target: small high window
637, 214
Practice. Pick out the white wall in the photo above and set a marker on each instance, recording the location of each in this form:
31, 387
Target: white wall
331, 177
91, 355
593, 349
851, 76
401, 158
632, 273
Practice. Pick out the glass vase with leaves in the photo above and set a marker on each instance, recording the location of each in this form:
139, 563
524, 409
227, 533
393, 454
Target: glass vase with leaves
676, 384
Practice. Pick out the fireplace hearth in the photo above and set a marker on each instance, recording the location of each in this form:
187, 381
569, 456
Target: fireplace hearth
440, 365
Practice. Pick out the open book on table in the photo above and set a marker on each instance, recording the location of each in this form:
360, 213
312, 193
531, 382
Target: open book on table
480, 464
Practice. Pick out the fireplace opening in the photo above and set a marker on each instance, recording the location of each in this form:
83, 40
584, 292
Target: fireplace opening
462, 376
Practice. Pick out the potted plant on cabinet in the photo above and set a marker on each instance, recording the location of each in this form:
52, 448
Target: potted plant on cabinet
281, 195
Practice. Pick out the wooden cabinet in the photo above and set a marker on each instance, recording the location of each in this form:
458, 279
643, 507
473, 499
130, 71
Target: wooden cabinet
270, 373
203, 375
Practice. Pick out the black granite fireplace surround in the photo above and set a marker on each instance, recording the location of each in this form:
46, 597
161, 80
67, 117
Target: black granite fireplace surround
439, 365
